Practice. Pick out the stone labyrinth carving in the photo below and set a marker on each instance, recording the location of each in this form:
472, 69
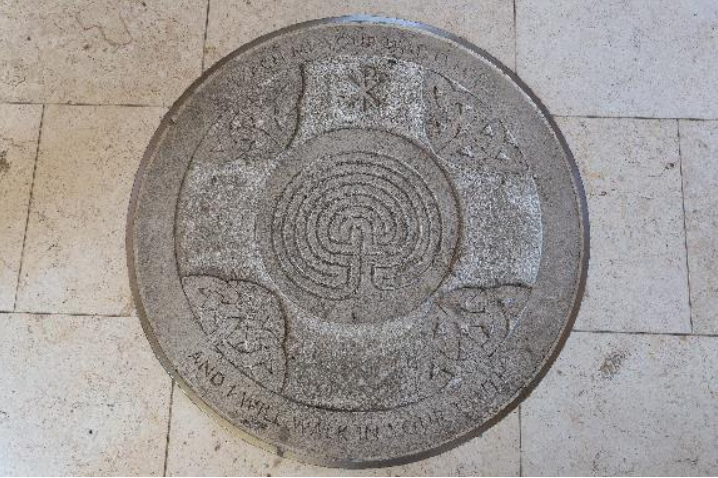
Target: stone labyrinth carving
358, 233
358, 240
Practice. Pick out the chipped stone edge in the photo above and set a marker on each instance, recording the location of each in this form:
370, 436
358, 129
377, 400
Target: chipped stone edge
524, 393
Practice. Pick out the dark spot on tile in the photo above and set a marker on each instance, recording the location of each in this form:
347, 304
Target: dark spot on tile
612, 364
4, 164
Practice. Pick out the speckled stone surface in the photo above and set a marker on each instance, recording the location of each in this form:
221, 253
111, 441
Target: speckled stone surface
632, 173
699, 146
19, 129
645, 58
360, 242
81, 396
142, 52
74, 258
625, 405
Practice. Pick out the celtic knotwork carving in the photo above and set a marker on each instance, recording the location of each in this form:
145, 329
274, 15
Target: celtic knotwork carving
459, 337
360, 229
263, 125
460, 127
473, 321
245, 323
466, 327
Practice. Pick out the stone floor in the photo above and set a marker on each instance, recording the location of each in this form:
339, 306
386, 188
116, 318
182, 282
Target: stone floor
83, 84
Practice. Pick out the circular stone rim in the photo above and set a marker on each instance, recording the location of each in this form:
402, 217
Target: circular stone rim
584, 237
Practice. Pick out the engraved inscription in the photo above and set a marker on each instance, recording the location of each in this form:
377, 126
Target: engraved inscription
264, 414
244, 322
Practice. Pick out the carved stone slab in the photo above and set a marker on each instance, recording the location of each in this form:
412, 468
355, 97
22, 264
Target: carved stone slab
359, 241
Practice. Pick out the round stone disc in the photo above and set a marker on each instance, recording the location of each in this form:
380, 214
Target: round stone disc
358, 241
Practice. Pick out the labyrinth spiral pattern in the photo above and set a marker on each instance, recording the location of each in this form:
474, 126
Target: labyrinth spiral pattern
358, 221
357, 226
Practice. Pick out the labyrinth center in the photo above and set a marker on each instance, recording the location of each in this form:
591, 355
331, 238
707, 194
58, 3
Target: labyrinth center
354, 226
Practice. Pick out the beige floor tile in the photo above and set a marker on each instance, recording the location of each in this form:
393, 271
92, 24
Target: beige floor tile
623, 404
19, 126
651, 58
637, 279
200, 446
100, 51
80, 396
699, 153
489, 24
75, 258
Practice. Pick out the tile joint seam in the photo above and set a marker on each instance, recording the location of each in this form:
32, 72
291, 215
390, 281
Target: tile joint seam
29, 207
685, 228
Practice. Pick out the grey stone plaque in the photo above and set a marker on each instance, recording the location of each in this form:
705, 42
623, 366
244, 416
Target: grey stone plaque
358, 241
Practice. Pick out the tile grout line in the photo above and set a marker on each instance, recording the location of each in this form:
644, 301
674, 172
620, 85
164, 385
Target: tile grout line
654, 118
72, 314
169, 428
29, 207
204, 38
658, 334
685, 228
124, 105
521, 452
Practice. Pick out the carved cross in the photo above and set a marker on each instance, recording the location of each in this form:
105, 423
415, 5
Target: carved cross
365, 84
